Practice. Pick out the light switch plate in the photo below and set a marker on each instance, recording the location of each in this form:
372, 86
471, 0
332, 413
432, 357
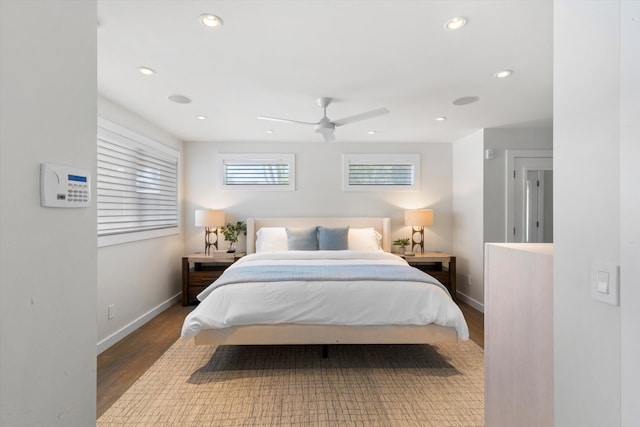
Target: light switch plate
602, 271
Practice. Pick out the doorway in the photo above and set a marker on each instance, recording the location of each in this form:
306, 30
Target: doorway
529, 177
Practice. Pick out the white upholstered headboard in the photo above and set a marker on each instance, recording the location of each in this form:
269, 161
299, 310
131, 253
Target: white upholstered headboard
382, 225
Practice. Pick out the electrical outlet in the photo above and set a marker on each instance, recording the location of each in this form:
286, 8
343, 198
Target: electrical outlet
111, 311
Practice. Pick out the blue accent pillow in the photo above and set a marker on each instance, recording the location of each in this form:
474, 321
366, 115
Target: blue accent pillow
333, 239
302, 239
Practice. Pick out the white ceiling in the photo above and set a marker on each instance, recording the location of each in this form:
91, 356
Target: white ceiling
274, 58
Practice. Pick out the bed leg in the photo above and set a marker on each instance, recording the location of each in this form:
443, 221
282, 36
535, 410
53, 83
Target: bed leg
325, 351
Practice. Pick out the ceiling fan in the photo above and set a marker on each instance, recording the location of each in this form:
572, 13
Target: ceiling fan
325, 126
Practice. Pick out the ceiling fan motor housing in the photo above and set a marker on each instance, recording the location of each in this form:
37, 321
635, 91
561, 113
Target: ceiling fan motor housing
324, 125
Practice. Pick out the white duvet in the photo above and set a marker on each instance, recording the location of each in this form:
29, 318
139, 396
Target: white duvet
356, 303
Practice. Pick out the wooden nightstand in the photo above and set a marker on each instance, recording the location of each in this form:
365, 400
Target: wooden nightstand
199, 271
432, 264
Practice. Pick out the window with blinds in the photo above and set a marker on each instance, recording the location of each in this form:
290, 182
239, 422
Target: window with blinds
380, 172
137, 183
257, 171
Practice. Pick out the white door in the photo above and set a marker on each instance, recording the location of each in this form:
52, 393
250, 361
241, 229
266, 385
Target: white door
530, 198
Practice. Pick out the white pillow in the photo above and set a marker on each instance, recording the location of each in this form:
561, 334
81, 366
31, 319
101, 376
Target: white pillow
271, 239
364, 239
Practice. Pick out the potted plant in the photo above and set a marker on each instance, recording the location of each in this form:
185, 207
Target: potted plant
231, 233
403, 243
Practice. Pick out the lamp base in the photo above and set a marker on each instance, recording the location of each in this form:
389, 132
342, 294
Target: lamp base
208, 231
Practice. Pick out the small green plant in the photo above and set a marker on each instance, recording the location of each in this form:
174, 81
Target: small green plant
231, 231
402, 242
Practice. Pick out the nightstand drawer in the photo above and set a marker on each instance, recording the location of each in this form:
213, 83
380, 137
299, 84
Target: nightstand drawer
442, 276
203, 278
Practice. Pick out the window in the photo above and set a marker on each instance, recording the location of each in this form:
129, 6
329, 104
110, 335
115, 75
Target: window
274, 172
380, 172
137, 186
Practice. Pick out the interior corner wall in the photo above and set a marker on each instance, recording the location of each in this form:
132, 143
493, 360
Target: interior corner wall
468, 196
47, 255
500, 140
319, 188
140, 278
587, 333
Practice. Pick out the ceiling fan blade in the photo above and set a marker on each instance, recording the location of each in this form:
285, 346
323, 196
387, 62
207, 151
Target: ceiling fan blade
276, 119
361, 116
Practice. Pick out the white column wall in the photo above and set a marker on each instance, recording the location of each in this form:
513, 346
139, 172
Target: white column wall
587, 210
47, 255
630, 209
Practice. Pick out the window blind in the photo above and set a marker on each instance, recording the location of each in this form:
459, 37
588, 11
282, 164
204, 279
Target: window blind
381, 174
256, 173
137, 187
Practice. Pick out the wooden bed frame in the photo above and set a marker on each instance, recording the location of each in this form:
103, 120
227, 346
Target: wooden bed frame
324, 334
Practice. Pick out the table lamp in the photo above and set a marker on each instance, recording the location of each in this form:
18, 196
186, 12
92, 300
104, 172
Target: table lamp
418, 219
211, 220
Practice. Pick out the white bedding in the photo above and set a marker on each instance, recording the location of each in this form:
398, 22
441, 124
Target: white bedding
356, 303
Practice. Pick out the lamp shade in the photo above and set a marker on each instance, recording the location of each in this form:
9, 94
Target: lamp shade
209, 218
418, 217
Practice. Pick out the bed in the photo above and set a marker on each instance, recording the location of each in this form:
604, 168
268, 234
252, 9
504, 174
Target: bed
353, 292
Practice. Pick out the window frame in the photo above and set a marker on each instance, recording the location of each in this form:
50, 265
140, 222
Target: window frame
224, 158
376, 159
122, 135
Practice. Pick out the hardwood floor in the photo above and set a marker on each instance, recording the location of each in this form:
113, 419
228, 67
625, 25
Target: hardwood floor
123, 363
475, 321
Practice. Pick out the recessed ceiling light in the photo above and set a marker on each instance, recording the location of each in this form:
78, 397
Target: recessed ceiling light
210, 20
269, 131
466, 100
455, 23
146, 71
179, 99
201, 117
372, 132
502, 74
441, 119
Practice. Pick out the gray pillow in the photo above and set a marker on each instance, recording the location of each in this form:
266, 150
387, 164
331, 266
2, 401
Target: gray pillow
333, 239
302, 239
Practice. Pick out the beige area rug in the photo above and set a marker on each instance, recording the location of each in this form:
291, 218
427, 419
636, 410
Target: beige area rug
358, 385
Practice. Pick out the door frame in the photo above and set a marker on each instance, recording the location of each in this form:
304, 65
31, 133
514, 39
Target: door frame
510, 159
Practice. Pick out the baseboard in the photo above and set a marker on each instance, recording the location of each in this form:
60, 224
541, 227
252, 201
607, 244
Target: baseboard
120, 334
468, 300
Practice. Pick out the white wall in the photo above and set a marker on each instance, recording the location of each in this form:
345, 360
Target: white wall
139, 278
587, 152
479, 197
500, 140
630, 209
47, 255
468, 242
319, 188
